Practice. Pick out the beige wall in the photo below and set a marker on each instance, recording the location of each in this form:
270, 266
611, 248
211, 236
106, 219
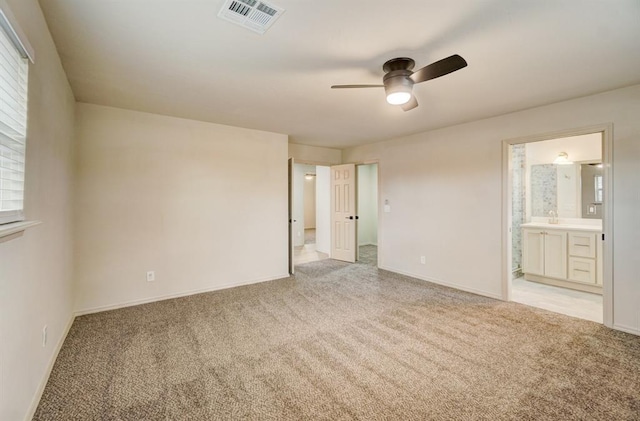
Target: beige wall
203, 205
445, 192
35, 269
315, 155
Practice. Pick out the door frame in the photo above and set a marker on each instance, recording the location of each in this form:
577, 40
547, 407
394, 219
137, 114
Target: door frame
607, 209
380, 201
292, 161
291, 263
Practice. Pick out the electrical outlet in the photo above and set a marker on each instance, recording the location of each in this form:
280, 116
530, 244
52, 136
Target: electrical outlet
151, 276
44, 336
423, 260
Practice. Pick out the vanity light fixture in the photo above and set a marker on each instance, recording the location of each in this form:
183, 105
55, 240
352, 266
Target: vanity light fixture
309, 176
562, 159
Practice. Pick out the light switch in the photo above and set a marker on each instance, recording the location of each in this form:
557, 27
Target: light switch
387, 208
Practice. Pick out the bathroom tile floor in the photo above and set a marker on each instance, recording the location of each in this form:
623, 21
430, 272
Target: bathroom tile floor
578, 304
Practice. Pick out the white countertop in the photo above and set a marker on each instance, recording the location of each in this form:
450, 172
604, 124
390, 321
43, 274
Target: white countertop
562, 226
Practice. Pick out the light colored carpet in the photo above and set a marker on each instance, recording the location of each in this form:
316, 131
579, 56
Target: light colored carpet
342, 342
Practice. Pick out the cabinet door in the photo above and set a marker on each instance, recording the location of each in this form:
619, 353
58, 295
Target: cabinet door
555, 254
582, 270
533, 251
582, 244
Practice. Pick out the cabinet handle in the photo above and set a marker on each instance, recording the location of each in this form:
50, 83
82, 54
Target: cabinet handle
581, 245
581, 270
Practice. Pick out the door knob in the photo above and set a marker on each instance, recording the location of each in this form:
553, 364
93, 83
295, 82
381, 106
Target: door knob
349, 217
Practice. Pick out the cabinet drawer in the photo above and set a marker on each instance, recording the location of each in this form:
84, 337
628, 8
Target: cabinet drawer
582, 270
582, 244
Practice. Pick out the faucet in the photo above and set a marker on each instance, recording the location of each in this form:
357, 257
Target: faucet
553, 217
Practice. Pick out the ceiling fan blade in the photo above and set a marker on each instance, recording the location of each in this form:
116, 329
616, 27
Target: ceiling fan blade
439, 68
413, 103
356, 86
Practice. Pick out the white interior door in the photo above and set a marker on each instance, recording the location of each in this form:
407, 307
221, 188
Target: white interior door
344, 243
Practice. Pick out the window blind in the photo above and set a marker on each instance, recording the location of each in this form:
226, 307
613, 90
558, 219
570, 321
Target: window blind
14, 69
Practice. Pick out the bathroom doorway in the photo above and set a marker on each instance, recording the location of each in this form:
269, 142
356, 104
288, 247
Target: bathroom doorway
556, 204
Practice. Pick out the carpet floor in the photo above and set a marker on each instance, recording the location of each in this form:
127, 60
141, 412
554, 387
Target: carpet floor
341, 342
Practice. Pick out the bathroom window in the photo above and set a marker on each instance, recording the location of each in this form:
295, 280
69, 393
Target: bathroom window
597, 182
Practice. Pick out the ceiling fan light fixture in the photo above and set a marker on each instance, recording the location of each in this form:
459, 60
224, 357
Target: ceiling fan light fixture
398, 89
398, 98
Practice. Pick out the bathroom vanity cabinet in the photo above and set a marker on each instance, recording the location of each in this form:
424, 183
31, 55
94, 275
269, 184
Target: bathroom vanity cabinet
563, 255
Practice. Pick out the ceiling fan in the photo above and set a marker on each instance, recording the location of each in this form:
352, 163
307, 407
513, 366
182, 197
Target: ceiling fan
399, 78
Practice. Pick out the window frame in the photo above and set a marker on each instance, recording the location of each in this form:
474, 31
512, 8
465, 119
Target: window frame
10, 30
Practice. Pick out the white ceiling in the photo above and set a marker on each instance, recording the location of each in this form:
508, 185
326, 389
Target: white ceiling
176, 57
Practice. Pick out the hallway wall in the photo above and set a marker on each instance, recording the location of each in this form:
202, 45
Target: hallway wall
310, 202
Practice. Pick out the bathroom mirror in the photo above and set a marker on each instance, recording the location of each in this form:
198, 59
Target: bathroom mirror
573, 191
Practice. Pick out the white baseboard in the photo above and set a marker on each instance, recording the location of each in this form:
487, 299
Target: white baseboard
444, 283
627, 329
176, 295
38, 395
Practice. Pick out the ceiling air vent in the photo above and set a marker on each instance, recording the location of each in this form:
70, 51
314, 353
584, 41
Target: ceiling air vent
252, 14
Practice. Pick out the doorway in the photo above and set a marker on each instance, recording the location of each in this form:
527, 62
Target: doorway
310, 210
354, 213
310, 213
557, 207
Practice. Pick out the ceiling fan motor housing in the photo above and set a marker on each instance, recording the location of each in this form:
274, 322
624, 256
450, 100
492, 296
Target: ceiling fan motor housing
396, 78
399, 63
